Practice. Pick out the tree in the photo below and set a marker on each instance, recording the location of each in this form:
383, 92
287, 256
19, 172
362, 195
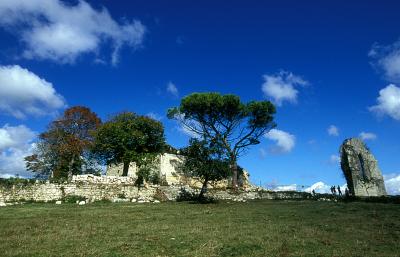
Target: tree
205, 161
128, 137
225, 120
63, 149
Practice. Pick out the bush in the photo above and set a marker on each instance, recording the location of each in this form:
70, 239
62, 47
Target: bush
9, 182
73, 198
187, 196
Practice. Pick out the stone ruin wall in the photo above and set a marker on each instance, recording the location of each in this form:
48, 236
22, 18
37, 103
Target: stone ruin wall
96, 188
168, 167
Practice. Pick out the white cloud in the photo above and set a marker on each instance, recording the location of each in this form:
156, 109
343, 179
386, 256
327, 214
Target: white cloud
185, 130
392, 184
333, 130
61, 32
322, 188
263, 153
172, 89
292, 187
319, 187
15, 137
24, 93
285, 142
367, 136
334, 159
388, 102
281, 86
387, 59
154, 116
15, 144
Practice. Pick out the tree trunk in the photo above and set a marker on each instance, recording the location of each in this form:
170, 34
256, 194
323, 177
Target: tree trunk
70, 167
235, 185
203, 189
126, 168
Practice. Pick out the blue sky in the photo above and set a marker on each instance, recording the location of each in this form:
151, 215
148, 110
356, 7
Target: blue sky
331, 67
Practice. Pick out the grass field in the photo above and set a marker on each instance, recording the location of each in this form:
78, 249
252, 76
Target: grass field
259, 228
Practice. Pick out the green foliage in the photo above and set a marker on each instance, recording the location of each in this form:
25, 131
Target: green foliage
226, 121
121, 195
185, 195
204, 160
73, 198
147, 170
10, 182
128, 137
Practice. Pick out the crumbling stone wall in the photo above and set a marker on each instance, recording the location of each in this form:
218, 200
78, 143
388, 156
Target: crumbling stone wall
95, 188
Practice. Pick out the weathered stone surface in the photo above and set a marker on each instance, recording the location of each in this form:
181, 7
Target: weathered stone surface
168, 167
94, 188
360, 169
58, 202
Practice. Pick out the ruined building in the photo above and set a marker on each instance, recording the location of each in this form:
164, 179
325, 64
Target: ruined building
167, 166
360, 169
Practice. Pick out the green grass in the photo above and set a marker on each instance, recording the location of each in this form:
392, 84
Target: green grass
259, 228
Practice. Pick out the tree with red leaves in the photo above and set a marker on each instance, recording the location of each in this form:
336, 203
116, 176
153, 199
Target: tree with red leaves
64, 149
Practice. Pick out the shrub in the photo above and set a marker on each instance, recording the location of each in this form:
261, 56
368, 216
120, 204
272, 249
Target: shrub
9, 182
121, 195
185, 195
73, 198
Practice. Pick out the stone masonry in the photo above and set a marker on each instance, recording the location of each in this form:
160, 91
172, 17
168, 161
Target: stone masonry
96, 188
360, 169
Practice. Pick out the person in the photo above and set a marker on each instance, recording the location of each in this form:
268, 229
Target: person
339, 191
313, 192
346, 192
331, 189
334, 190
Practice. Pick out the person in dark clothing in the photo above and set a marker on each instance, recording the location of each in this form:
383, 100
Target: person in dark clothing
346, 192
339, 191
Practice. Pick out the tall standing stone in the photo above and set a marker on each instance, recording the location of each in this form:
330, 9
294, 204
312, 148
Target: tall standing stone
360, 169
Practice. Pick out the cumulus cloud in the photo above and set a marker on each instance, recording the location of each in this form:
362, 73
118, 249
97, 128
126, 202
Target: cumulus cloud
367, 136
333, 130
281, 87
392, 184
16, 142
61, 32
334, 159
154, 116
285, 142
172, 89
292, 187
24, 93
319, 187
388, 102
387, 59
322, 188
14, 137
